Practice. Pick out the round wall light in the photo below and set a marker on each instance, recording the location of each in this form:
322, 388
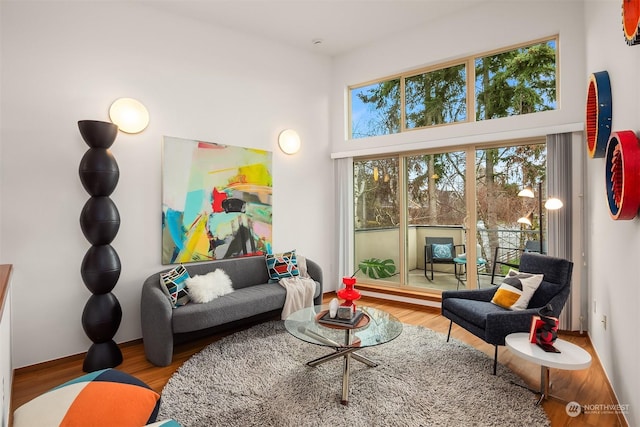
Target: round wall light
129, 114
289, 141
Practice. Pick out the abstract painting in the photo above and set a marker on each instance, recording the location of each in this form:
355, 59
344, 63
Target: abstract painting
216, 201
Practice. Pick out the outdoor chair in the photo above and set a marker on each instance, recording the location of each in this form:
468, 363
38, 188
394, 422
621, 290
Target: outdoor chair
474, 311
503, 256
439, 250
532, 246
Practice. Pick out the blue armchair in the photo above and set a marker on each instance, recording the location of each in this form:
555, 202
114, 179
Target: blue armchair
473, 310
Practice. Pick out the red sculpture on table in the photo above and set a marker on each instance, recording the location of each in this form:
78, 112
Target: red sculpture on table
349, 294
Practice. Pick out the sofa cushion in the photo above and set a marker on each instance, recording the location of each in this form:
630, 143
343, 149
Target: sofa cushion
282, 265
240, 304
102, 398
173, 284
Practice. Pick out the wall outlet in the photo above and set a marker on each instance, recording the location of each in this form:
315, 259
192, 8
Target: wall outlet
604, 322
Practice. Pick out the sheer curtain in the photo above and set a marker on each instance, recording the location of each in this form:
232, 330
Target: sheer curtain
343, 169
559, 222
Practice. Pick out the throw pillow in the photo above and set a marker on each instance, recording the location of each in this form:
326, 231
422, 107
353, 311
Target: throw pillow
282, 265
165, 423
207, 287
102, 398
173, 283
442, 250
516, 290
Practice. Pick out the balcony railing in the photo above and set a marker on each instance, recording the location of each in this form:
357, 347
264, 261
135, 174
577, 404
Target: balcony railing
384, 243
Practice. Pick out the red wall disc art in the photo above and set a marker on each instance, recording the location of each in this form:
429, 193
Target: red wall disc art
622, 175
631, 21
599, 113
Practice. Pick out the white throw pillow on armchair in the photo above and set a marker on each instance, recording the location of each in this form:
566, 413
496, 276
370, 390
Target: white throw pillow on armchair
209, 286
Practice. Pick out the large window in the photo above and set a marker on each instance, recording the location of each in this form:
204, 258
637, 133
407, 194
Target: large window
514, 81
405, 203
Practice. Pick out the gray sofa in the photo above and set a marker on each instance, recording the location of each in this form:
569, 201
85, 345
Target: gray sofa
254, 299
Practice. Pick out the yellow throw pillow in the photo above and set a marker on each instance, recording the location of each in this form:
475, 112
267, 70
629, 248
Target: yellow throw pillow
516, 290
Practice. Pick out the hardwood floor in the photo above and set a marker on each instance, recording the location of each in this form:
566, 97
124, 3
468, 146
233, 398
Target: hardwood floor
588, 387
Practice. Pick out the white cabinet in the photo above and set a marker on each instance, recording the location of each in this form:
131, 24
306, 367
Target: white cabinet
6, 370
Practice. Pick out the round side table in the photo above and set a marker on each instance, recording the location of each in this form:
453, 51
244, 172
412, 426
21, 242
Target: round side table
571, 357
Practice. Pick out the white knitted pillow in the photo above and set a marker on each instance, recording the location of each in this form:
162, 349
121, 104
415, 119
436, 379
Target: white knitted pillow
208, 287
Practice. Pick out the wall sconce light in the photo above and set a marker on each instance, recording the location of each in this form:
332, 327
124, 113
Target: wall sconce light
289, 141
129, 114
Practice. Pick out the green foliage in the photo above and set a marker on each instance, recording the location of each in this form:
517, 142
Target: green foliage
377, 268
504, 269
516, 82
436, 97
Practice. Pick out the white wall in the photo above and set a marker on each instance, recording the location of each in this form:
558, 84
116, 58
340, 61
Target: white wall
67, 61
477, 30
614, 246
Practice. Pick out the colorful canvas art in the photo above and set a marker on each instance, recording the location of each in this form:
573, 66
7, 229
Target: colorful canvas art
216, 201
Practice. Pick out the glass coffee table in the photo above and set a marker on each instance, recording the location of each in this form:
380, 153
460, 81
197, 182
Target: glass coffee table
376, 327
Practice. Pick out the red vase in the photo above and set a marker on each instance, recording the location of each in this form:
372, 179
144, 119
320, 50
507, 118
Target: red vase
349, 294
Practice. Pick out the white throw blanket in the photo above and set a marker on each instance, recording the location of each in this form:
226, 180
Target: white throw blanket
300, 289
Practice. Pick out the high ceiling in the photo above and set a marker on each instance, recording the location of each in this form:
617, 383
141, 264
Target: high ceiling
340, 25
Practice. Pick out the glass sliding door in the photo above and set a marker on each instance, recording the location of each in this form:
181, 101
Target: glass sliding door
501, 231
377, 190
436, 209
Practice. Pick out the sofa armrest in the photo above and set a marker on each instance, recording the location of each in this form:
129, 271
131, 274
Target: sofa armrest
157, 330
474, 294
315, 272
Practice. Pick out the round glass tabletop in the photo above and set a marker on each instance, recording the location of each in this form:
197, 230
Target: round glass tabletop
381, 328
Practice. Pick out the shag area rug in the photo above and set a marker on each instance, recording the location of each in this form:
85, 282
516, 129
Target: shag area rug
259, 377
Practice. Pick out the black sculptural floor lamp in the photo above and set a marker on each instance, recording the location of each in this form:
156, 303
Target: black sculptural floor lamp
100, 221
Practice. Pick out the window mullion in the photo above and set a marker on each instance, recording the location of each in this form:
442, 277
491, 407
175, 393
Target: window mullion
403, 117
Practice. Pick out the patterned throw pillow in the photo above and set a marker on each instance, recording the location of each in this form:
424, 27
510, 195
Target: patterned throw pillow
174, 285
442, 251
102, 398
516, 290
165, 423
282, 265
